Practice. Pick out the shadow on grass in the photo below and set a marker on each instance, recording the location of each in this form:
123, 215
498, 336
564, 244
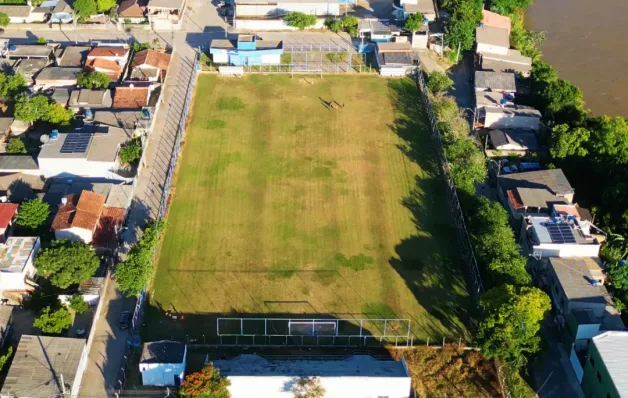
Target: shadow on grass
428, 261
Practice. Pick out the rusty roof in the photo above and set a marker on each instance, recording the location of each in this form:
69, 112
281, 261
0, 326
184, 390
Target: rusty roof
106, 235
156, 59
130, 97
81, 211
7, 211
108, 52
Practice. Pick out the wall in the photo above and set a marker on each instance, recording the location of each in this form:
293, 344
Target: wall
15, 280
270, 24
591, 386
489, 48
90, 299
496, 120
258, 10
76, 385
75, 234
56, 167
567, 250
575, 363
162, 374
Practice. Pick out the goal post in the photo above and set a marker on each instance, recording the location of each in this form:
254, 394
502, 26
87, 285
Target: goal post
313, 328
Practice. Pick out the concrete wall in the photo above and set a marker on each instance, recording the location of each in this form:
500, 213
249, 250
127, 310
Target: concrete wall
91, 299
270, 24
262, 10
52, 167
76, 385
495, 120
489, 48
162, 374
75, 234
567, 250
575, 363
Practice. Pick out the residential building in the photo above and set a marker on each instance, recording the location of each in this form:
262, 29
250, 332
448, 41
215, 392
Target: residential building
150, 65
29, 68
507, 142
162, 363
247, 50
395, 59
25, 164
509, 117
117, 54
109, 68
558, 236
356, 376
605, 371
16, 264
88, 98
490, 99
497, 82
425, 7
18, 13
74, 56
117, 195
6, 323
134, 122
378, 30
90, 151
135, 95
62, 12
133, 11
166, 14
512, 61
495, 20
20, 187
55, 76
39, 363
7, 212
491, 40
30, 51
279, 8
90, 290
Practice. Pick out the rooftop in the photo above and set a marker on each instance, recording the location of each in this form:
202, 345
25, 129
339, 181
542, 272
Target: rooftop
163, 351
94, 143
490, 98
29, 50
109, 224
233, 44
131, 97
63, 6
5, 316
576, 276
61, 96
394, 47
156, 59
38, 363
80, 211
90, 98
125, 119
613, 349
107, 51
285, 1
7, 211
16, 11
512, 56
74, 56
558, 231
58, 73
17, 162
524, 140
422, 6
30, 67
19, 187
133, 8
352, 366
169, 4
501, 81
515, 110
15, 252
553, 180
492, 36
493, 19
532, 197
117, 195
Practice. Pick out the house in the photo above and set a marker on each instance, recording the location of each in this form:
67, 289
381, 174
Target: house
17, 13
605, 371
74, 56
88, 98
25, 164
246, 50
541, 188
20, 187
117, 54
166, 14
40, 14
29, 68
90, 290
109, 68
6, 323
134, 122
7, 213
163, 363
495, 20
90, 151
509, 117
61, 96
559, 237
39, 363
395, 59
491, 40
133, 11
425, 7
150, 65
512, 61
511, 142
55, 76
16, 264
490, 99
78, 216
62, 12
356, 376
117, 195
134, 96
254, 15
498, 82
30, 51
378, 30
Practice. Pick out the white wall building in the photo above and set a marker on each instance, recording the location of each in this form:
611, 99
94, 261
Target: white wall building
163, 363
511, 117
357, 376
16, 263
492, 40
264, 8
559, 237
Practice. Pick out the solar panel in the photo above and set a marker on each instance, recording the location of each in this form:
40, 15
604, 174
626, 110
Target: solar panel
561, 233
76, 143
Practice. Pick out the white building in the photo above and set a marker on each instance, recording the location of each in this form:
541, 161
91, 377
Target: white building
510, 117
78, 216
492, 40
16, 263
279, 8
559, 236
357, 376
21, 14
425, 7
163, 363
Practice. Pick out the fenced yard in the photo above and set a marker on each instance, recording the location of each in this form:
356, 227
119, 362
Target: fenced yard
325, 202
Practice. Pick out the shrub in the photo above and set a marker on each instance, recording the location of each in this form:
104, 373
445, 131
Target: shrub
53, 322
439, 82
32, 214
300, 20
93, 80
131, 151
16, 146
78, 304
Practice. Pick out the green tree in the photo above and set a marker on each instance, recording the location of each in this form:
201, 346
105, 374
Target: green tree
563, 102
5, 358
12, 85
32, 214
16, 146
460, 32
300, 20
58, 115
41, 40
85, 8
568, 141
32, 109
53, 322
466, 164
438, 82
137, 46
4, 19
66, 263
350, 25
507, 7
93, 80
78, 304
131, 151
133, 274
208, 383
512, 319
609, 139
102, 6
413, 22
334, 25
542, 72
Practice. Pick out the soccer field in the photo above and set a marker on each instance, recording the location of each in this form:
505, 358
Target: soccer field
285, 207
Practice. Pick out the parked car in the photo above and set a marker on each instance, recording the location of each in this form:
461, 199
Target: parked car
125, 319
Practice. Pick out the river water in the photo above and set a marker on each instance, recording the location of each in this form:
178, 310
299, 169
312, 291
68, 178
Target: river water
587, 43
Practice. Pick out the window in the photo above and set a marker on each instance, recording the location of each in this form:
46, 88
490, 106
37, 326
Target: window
592, 361
599, 377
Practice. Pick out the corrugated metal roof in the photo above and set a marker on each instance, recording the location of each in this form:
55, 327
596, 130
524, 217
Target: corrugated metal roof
495, 81
163, 351
613, 349
553, 180
492, 36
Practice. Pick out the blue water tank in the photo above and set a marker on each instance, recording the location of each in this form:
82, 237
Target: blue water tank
481, 24
54, 135
12, 47
503, 101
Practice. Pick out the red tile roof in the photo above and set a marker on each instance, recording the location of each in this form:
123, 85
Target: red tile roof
132, 8
153, 58
130, 97
108, 52
515, 199
106, 66
111, 220
80, 211
7, 211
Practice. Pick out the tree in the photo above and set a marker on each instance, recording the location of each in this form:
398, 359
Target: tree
569, 142
41, 40
32, 109
93, 80
563, 102
460, 32
334, 25
413, 22
78, 304
32, 214
12, 85
609, 139
513, 316
53, 322
16, 146
58, 115
350, 25
466, 164
133, 274
131, 151
308, 387
506, 7
85, 8
102, 6
137, 46
4, 19
206, 384
5, 358
66, 263
438, 82
300, 20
